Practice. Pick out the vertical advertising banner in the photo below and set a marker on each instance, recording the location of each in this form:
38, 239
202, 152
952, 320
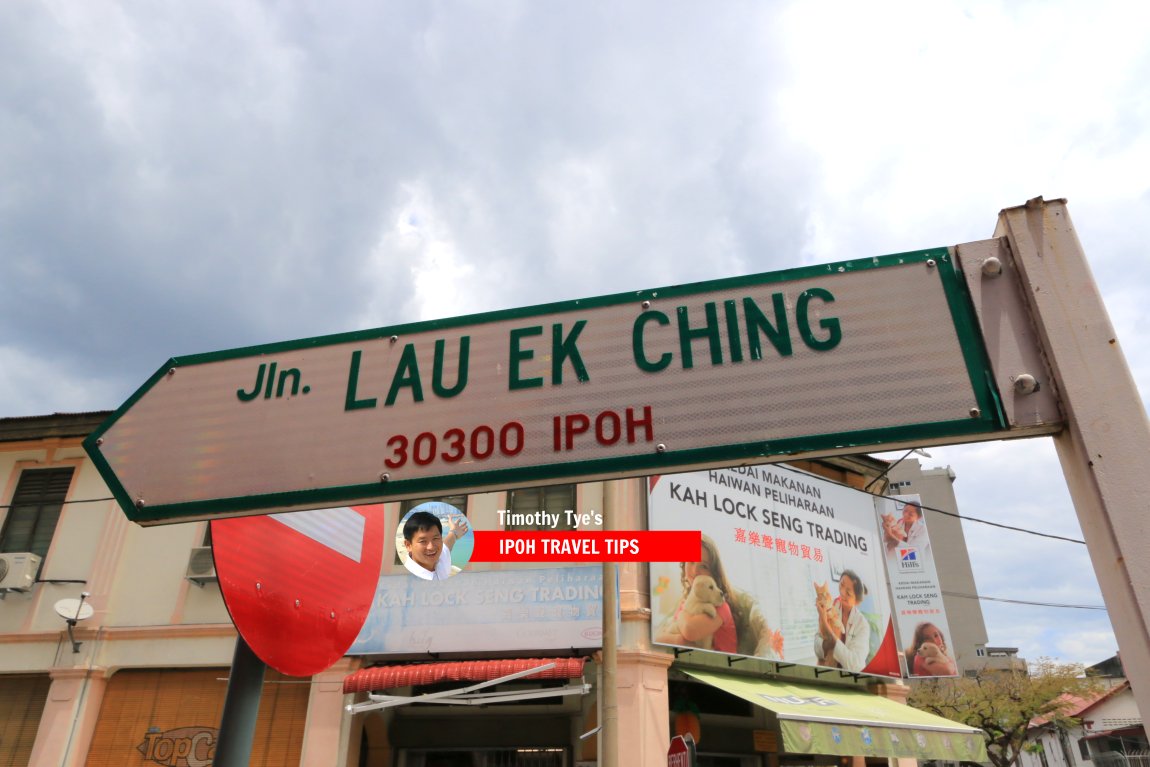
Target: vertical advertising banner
914, 586
791, 570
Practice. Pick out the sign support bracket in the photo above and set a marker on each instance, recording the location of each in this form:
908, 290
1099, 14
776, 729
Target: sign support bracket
1104, 447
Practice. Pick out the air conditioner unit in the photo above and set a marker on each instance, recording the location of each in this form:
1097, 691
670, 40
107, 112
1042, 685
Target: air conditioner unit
18, 571
201, 566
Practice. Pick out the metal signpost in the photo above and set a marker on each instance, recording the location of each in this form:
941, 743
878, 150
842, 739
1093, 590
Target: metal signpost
298, 587
1104, 447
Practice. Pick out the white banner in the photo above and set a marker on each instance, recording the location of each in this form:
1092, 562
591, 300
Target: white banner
917, 595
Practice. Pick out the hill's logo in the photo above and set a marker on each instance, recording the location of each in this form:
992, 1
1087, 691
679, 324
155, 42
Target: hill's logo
181, 747
908, 559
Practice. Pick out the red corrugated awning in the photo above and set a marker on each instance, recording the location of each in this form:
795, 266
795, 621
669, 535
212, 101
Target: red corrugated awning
388, 677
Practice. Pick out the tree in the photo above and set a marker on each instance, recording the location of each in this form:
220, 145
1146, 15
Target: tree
1006, 704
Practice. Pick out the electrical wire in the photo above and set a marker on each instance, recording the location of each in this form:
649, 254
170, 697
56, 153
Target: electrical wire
955, 514
998, 524
1021, 601
78, 500
1004, 527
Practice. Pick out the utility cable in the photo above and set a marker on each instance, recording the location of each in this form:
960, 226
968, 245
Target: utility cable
78, 500
951, 513
1021, 601
1004, 527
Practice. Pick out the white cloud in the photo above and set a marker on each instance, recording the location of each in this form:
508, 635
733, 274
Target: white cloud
27, 382
1085, 643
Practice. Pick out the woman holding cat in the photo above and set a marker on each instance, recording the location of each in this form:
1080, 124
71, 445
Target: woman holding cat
848, 649
695, 629
927, 654
908, 530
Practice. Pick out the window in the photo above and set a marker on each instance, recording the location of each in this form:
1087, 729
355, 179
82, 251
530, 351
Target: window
35, 510
458, 501
1084, 748
526, 502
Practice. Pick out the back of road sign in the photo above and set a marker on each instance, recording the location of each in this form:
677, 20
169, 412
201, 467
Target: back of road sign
681, 753
299, 585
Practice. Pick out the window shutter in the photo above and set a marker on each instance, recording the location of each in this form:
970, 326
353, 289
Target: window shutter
552, 498
35, 510
22, 701
458, 501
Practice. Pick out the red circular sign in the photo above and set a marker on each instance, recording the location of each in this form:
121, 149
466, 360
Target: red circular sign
299, 585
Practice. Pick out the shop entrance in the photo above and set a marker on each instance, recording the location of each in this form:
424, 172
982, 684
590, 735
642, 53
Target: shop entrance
727, 760
491, 757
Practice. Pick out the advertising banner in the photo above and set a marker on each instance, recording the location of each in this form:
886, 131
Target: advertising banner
555, 608
915, 590
791, 570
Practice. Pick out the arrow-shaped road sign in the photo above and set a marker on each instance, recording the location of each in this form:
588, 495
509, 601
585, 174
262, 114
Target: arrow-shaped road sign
820, 360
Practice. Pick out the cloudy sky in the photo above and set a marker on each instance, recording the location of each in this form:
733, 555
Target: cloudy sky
186, 177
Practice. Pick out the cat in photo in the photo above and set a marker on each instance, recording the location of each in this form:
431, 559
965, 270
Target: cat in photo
825, 604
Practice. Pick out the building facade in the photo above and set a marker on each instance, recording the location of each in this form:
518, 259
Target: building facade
116, 646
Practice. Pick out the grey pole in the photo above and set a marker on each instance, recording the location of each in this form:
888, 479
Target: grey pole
609, 715
241, 707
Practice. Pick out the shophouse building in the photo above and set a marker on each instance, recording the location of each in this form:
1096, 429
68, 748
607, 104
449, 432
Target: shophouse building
115, 647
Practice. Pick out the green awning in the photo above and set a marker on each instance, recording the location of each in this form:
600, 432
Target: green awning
835, 720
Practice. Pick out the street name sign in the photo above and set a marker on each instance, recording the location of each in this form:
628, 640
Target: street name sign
818, 360
299, 586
